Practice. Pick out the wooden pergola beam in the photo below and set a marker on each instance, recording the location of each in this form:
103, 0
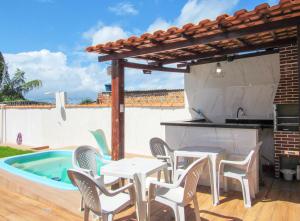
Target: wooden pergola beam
230, 34
118, 109
217, 48
298, 49
154, 67
188, 51
244, 42
231, 51
226, 58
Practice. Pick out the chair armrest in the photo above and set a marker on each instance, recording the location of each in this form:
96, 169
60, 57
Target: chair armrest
153, 186
89, 172
231, 162
238, 162
166, 185
121, 189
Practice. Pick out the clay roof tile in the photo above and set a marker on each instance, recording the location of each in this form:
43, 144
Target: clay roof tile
221, 17
188, 26
240, 12
262, 7
240, 19
204, 22
173, 30
158, 33
146, 36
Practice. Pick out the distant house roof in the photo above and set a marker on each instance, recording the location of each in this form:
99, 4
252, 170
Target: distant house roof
262, 28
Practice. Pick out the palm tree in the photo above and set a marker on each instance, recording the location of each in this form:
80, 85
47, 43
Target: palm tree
17, 87
3, 71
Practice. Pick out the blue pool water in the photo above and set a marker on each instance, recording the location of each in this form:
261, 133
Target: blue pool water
49, 168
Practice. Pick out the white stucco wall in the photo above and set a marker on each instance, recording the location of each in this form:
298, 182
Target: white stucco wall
70, 127
249, 83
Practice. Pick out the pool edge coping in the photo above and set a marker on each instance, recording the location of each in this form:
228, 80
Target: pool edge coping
33, 177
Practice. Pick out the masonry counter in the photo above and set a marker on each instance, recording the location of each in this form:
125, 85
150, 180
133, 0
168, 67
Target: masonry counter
237, 138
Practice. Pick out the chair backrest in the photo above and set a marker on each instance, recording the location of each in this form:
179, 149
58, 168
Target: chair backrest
252, 156
190, 178
157, 147
101, 141
85, 157
88, 189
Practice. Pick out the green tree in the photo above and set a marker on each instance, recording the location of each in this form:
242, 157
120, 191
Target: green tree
3, 71
12, 89
16, 87
87, 101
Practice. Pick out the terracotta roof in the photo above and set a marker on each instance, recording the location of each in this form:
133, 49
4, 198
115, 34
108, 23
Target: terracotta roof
242, 19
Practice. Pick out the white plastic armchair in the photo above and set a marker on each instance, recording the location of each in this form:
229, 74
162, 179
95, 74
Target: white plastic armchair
161, 150
242, 171
180, 193
84, 159
101, 201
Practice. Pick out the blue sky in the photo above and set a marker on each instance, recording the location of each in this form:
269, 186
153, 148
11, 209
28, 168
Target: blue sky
47, 38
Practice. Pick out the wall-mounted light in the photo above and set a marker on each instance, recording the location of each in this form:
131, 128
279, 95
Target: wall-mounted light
219, 72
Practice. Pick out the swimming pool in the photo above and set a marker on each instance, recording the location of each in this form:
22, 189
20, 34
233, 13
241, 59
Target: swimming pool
49, 167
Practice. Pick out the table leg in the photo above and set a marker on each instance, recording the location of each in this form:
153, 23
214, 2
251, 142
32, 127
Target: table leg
167, 175
212, 162
141, 203
175, 168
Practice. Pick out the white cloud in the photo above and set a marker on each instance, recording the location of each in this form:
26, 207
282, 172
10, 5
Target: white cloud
158, 24
272, 2
197, 10
193, 11
102, 34
124, 8
55, 72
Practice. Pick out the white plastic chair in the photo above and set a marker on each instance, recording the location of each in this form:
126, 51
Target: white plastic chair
102, 202
180, 193
242, 171
84, 159
161, 150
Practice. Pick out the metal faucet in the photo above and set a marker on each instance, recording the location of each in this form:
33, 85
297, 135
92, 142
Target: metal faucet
238, 112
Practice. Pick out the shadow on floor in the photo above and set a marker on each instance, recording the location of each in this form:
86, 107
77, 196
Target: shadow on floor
217, 215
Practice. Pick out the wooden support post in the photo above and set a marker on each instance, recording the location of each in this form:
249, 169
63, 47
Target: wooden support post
117, 109
298, 47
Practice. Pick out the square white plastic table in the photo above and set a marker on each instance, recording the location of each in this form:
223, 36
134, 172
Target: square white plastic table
143, 167
213, 154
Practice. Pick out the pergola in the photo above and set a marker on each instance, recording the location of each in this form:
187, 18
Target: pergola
246, 33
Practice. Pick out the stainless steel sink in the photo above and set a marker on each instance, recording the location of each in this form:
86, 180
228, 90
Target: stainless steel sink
248, 121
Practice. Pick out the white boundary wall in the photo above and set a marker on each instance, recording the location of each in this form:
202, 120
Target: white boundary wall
59, 127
